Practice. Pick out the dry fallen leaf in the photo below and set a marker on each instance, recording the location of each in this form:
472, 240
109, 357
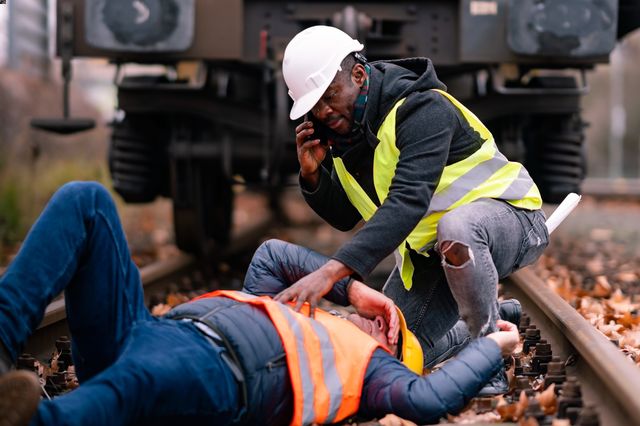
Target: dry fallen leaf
548, 400
628, 320
602, 288
393, 420
160, 309
174, 299
513, 412
631, 338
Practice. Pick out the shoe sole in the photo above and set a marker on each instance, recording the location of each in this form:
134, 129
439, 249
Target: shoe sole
19, 397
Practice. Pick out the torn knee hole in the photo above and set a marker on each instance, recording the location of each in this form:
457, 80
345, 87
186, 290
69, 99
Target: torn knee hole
455, 253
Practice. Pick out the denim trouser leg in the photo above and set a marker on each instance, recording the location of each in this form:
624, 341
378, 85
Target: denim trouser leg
430, 310
76, 245
167, 373
499, 239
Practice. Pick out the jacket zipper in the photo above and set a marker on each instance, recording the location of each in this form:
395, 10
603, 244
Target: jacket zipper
277, 362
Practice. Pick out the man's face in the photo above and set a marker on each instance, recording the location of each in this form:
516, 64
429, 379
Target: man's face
335, 107
376, 328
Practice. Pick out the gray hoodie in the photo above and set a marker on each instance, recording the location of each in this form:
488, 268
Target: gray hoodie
430, 134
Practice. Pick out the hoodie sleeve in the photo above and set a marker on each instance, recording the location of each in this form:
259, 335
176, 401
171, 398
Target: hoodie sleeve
390, 388
276, 265
425, 125
330, 202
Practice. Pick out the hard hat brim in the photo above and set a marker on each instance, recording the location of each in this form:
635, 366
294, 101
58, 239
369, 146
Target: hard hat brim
305, 103
412, 355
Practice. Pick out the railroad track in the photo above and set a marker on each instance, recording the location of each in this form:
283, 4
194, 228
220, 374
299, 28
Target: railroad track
155, 277
611, 188
609, 381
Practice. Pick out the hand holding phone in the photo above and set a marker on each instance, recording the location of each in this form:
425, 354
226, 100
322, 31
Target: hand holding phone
312, 149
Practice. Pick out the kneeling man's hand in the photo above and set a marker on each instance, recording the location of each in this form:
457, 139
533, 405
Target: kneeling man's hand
507, 338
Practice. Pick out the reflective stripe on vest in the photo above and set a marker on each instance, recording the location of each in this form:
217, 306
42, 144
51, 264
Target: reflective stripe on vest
326, 369
484, 174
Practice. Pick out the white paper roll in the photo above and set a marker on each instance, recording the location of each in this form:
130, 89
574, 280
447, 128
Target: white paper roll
562, 211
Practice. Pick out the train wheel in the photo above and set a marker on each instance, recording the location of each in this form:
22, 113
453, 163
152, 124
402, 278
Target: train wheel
138, 158
202, 207
555, 154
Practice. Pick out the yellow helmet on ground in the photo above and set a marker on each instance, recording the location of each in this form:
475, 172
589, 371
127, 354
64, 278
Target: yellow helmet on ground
411, 351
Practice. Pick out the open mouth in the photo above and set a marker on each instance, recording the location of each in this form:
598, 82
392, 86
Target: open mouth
333, 124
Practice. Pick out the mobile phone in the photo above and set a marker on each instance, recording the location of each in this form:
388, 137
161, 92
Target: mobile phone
318, 130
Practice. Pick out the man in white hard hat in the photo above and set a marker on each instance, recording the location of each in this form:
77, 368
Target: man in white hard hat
426, 176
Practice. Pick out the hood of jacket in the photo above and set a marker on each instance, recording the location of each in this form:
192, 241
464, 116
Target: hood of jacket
393, 80
389, 82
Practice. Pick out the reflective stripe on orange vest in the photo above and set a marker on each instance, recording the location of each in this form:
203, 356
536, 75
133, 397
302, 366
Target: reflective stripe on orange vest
327, 358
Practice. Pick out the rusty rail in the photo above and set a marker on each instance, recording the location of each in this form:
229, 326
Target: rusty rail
609, 380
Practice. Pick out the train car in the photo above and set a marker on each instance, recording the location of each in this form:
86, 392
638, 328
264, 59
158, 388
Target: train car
218, 113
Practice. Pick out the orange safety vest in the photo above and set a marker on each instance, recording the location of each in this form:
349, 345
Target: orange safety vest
327, 358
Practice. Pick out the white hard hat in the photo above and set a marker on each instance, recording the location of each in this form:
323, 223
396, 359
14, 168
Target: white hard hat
311, 61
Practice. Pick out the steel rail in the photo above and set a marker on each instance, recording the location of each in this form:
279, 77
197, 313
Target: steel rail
608, 379
611, 187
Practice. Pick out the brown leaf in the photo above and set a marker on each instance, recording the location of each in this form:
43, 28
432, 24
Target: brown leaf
628, 320
511, 374
611, 329
548, 400
631, 338
512, 412
626, 277
160, 309
594, 266
393, 420
175, 299
602, 288
560, 422
529, 421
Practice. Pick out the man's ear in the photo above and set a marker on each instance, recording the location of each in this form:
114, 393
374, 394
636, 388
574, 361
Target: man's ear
358, 75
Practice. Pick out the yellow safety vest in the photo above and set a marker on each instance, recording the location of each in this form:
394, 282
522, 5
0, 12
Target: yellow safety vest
327, 358
484, 174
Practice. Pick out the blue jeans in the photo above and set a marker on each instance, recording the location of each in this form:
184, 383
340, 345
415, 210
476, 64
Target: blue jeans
133, 368
448, 305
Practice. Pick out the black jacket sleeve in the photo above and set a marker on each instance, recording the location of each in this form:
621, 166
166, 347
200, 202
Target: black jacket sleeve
425, 125
390, 388
330, 202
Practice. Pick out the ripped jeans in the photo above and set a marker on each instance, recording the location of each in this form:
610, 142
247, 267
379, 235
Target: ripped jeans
448, 304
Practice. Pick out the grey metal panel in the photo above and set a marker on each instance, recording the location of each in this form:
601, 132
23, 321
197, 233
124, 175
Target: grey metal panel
159, 26
483, 31
218, 34
500, 31
388, 29
574, 28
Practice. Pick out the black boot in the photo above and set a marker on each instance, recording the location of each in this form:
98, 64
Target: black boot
498, 385
511, 310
